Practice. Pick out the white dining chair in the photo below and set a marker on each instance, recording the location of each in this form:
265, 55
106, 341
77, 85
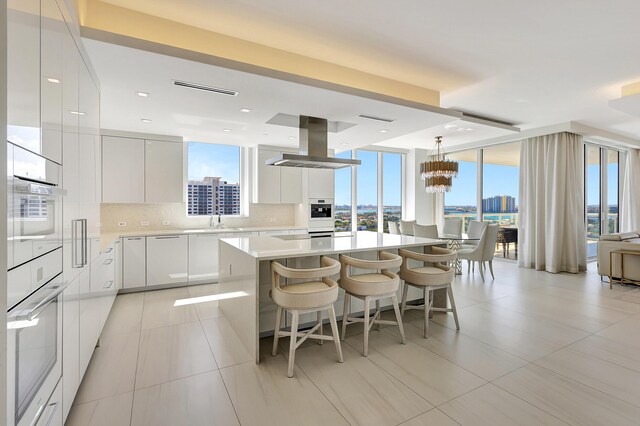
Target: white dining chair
406, 227
474, 232
393, 228
452, 226
483, 251
425, 231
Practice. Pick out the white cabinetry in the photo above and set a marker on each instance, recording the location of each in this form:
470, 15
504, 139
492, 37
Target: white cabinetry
273, 184
123, 170
134, 262
70, 343
321, 183
203, 258
163, 167
89, 320
167, 259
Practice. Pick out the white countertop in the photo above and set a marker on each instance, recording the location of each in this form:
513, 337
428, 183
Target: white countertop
343, 242
107, 238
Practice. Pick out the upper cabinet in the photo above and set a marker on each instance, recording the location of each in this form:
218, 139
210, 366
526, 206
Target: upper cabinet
123, 166
163, 172
141, 171
23, 74
273, 184
321, 183
52, 43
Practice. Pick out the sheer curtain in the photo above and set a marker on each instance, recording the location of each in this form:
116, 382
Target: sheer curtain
630, 205
551, 233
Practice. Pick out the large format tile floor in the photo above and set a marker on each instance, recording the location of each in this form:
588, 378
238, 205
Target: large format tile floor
534, 348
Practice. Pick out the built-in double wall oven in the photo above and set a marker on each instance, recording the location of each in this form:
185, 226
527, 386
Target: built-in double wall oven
34, 285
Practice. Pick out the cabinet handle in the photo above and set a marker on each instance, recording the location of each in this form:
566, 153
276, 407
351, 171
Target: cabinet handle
108, 262
108, 284
167, 238
109, 250
134, 239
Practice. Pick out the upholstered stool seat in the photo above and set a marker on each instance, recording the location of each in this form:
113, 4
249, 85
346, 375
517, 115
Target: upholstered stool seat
300, 298
370, 287
438, 275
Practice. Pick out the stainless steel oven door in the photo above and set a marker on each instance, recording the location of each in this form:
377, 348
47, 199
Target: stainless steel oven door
34, 353
35, 207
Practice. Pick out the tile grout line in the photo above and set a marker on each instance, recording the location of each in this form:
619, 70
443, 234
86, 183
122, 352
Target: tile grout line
428, 411
135, 374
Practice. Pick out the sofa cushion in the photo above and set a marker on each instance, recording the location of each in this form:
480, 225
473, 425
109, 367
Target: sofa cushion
633, 240
628, 235
610, 237
621, 236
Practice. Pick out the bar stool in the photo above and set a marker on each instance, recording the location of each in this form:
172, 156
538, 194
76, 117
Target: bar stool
429, 278
315, 295
370, 287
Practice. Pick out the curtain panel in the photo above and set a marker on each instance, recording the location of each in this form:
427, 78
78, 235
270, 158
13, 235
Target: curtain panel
630, 204
551, 231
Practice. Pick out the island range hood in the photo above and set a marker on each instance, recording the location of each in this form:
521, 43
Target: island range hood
314, 148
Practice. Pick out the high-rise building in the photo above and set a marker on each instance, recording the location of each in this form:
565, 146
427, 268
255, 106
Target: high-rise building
213, 196
499, 204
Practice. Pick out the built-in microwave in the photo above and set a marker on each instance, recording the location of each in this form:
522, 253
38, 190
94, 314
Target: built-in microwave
34, 354
34, 206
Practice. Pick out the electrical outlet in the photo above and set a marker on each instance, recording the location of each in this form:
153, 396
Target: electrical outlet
144, 223
166, 222
122, 223
272, 219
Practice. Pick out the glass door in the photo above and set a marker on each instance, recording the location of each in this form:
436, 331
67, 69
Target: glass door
602, 178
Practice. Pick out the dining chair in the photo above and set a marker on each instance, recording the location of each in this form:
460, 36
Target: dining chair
317, 294
406, 227
393, 227
452, 226
425, 231
483, 251
474, 232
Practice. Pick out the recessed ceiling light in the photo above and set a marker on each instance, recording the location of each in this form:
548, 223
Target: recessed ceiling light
344, 143
245, 109
142, 94
469, 129
292, 137
77, 112
145, 120
226, 130
450, 126
53, 80
265, 134
384, 131
460, 129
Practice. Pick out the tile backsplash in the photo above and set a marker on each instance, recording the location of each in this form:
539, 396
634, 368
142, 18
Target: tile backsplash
173, 215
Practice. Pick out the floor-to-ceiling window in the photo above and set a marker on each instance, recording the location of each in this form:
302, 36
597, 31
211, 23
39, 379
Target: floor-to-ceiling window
343, 204
500, 177
462, 201
367, 191
602, 188
613, 190
391, 188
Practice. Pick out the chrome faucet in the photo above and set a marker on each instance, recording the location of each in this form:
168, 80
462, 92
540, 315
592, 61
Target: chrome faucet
213, 224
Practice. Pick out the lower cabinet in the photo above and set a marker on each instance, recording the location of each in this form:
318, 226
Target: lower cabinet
52, 414
203, 258
89, 320
134, 260
167, 259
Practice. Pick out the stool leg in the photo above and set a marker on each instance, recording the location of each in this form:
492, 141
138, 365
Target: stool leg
405, 290
320, 342
378, 313
365, 349
453, 306
292, 342
334, 330
481, 273
345, 314
396, 308
276, 333
491, 269
427, 307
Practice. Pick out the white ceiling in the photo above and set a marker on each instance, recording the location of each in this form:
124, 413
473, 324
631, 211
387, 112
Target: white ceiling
530, 63
203, 116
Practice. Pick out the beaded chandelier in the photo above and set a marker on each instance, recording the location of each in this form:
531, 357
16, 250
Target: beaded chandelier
437, 173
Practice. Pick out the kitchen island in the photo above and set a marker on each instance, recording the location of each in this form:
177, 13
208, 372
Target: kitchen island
245, 279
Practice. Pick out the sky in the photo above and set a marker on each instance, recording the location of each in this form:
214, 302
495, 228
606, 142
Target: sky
206, 159
367, 174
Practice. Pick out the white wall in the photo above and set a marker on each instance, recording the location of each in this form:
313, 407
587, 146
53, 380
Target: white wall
3, 207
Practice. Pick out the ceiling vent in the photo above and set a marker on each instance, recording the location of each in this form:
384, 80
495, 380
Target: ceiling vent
371, 117
205, 88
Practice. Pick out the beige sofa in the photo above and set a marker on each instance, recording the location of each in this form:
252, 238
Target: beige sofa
619, 241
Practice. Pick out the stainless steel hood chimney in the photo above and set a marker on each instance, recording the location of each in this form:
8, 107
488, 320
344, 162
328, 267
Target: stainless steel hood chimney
314, 148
